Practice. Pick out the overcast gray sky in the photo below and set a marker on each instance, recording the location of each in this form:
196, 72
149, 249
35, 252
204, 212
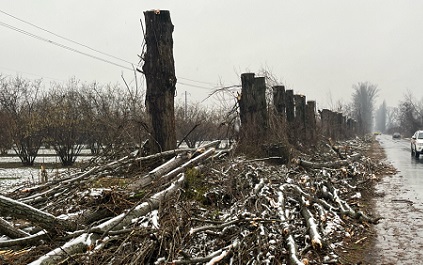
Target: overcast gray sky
318, 48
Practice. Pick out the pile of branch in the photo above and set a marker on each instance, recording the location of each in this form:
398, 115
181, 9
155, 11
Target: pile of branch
197, 206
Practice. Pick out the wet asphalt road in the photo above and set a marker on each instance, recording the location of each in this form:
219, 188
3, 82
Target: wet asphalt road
400, 233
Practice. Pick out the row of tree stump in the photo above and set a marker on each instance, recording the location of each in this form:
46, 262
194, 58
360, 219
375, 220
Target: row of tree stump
290, 115
289, 112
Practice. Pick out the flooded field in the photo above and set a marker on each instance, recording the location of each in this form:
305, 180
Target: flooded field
12, 176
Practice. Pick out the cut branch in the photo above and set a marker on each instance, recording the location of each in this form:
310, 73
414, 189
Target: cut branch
43, 219
9, 230
316, 239
335, 164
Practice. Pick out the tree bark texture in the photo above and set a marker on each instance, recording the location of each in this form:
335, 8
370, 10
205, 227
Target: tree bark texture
300, 103
335, 125
279, 99
310, 121
340, 122
11, 231
290, 114
326, 122
300, 106
159, 70
43, 219
253, 107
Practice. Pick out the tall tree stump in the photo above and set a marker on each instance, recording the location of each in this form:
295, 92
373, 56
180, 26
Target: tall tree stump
159, 71
300, 120
325, 119
310, 122
253, 110
279, 100
290, 106
339, 121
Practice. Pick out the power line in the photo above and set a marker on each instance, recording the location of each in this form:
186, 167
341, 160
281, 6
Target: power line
201, 82
28, 73
85, 46
61, 45
64, 38
202, 87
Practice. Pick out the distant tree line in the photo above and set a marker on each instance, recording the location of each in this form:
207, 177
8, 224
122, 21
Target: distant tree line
108, 119
406, 118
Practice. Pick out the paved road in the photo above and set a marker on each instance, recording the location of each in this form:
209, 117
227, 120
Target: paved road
400, 234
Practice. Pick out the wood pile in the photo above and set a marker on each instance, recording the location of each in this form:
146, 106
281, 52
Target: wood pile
192, 206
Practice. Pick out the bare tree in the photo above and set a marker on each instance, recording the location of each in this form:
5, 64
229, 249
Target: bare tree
410, 114
19, 101
196, 124
363, 99
392, 119
118, 126
68, 122
5, 136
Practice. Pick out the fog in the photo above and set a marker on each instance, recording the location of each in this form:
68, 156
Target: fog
318, 48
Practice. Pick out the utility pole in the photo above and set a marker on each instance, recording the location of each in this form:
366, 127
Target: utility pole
186, 105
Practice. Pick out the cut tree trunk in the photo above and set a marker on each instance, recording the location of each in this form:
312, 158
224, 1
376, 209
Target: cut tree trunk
279, 99
253, 111
45, 220
11, 231
310, 121
334, 164
159, 70
290, 107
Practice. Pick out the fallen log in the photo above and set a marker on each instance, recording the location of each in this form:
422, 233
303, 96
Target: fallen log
24, 241
77, 245
194, 161
40, 218
9, 230
334, 164
160, 171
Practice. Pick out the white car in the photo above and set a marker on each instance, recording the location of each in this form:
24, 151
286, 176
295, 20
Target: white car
417, 144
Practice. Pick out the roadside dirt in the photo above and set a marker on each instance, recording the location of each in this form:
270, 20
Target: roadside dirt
362, 248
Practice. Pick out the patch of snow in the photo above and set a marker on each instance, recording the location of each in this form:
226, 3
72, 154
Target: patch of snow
155, 218
356, 196
69, 215
78, 240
